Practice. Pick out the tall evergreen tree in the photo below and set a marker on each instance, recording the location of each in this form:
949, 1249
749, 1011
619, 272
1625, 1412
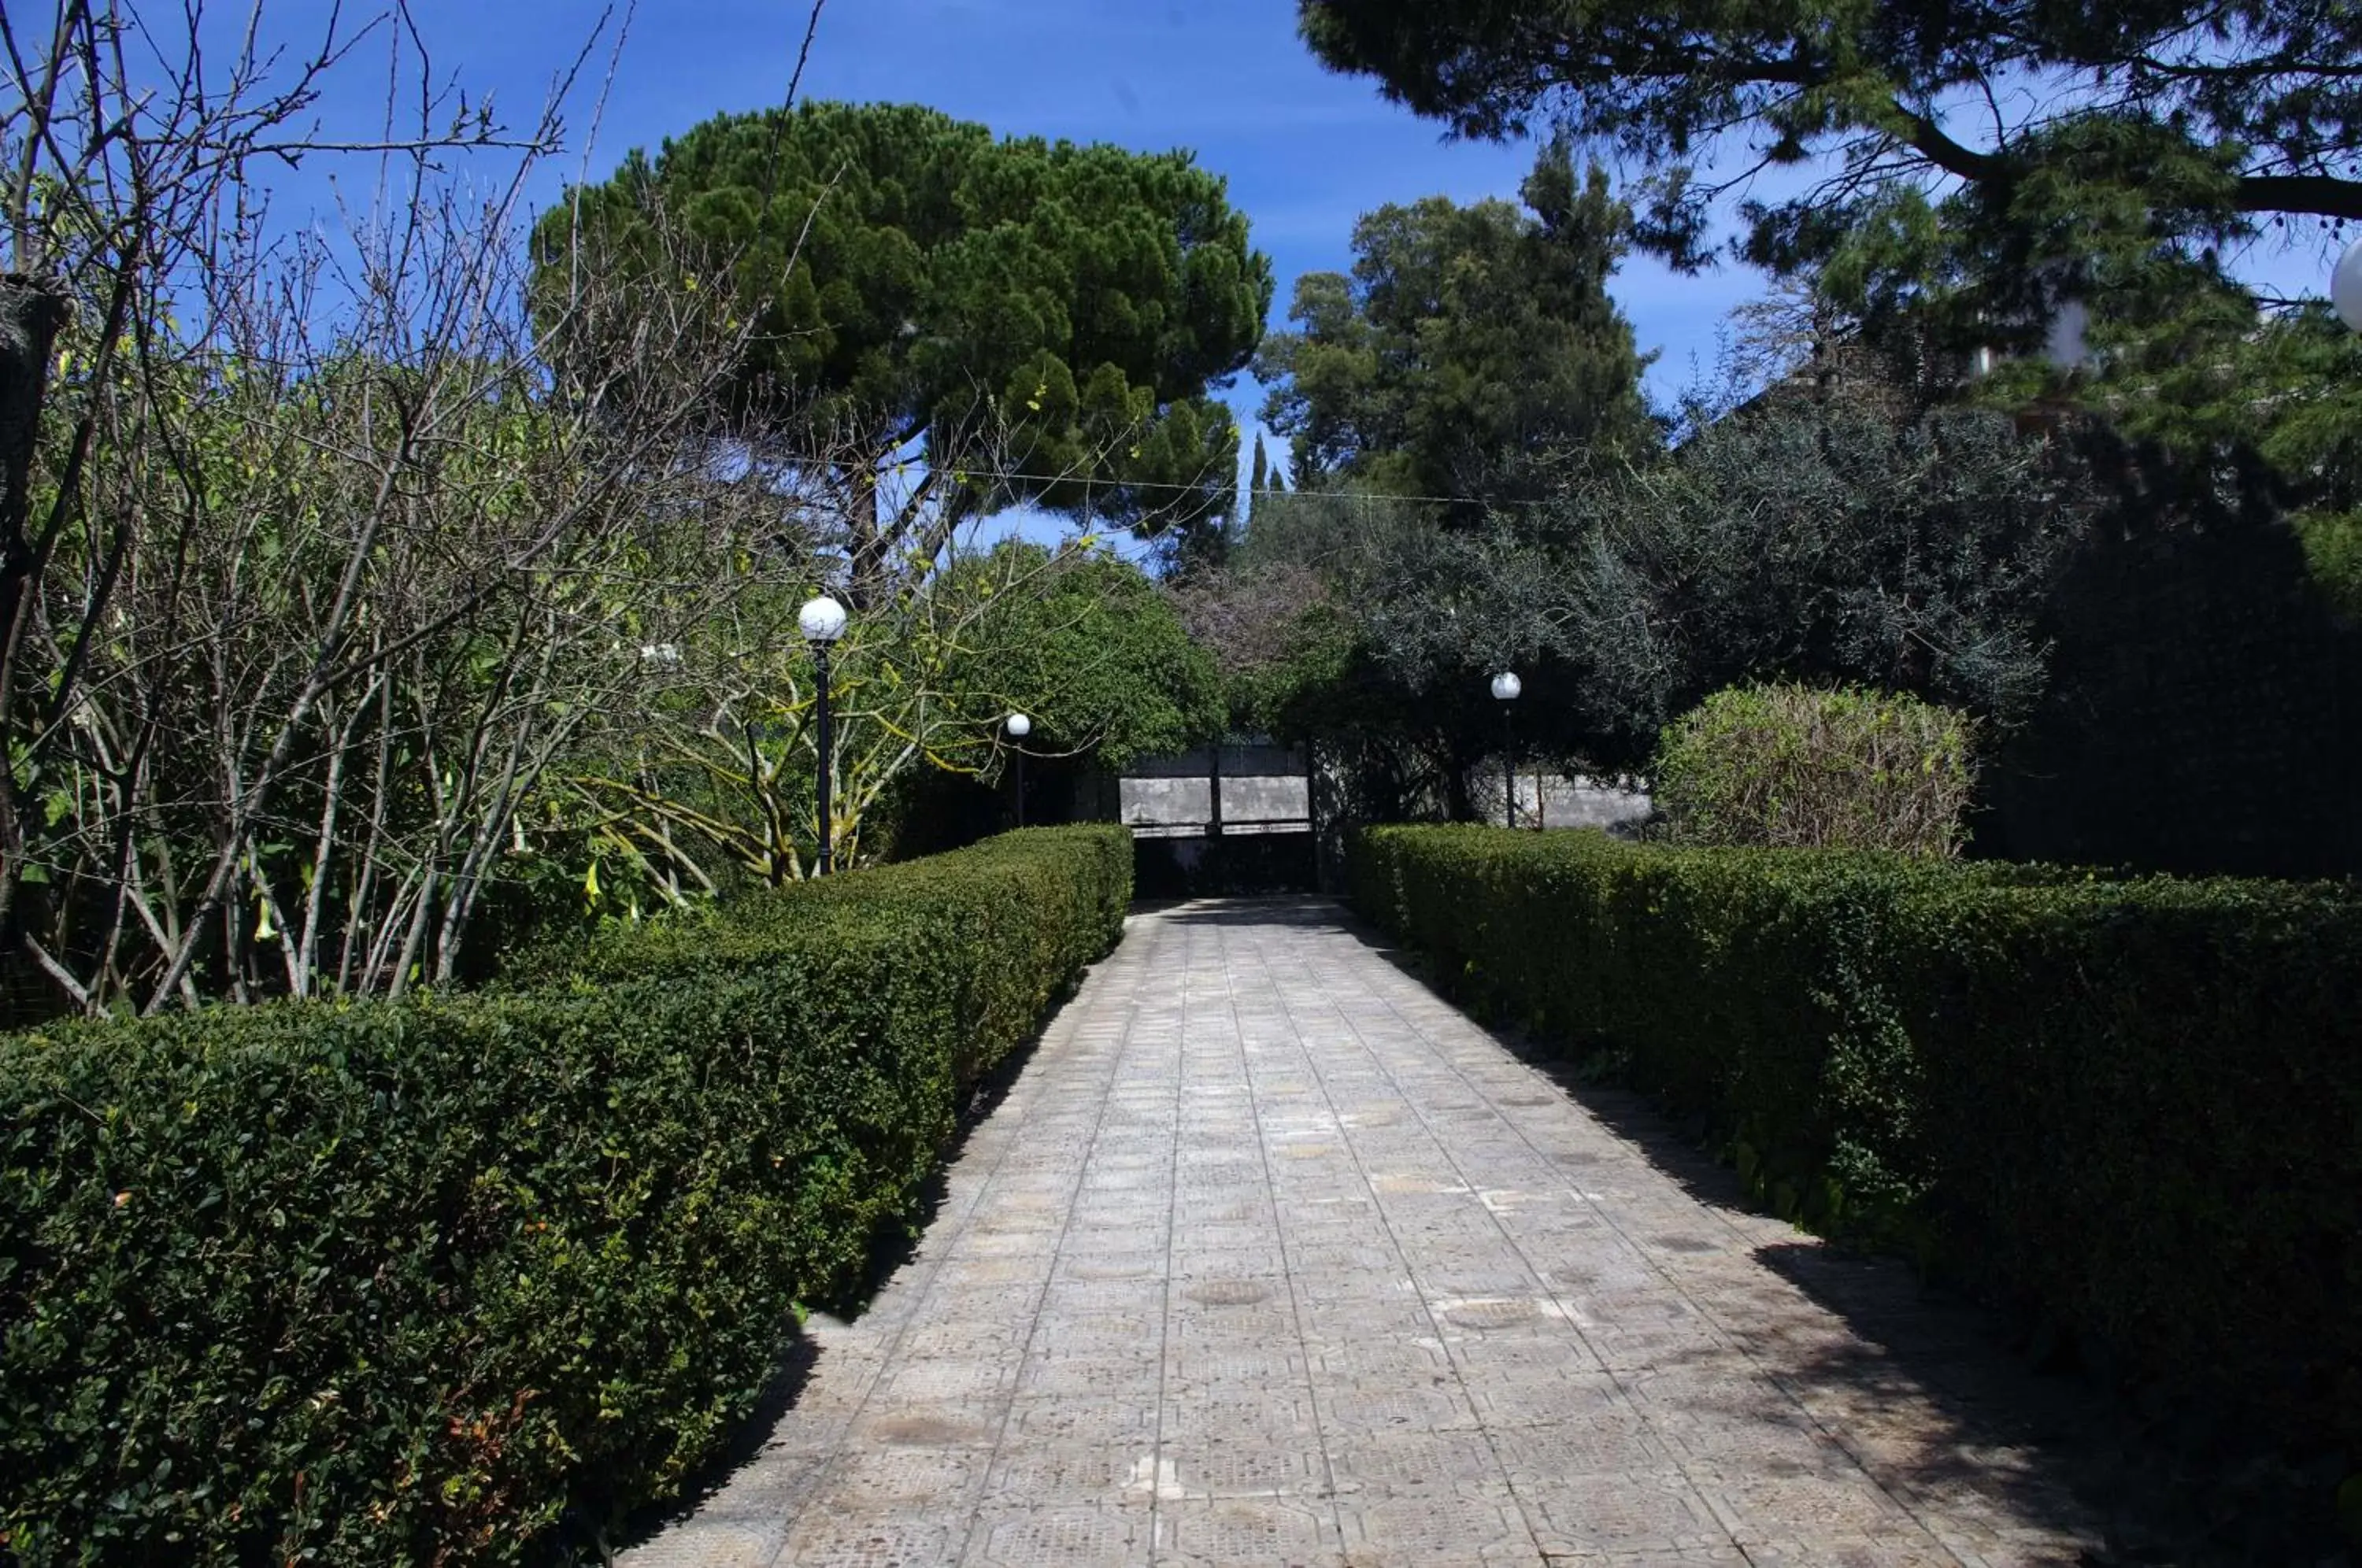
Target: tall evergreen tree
920, 288
1470, 346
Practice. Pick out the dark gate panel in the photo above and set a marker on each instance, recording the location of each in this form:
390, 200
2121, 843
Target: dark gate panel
1230, 819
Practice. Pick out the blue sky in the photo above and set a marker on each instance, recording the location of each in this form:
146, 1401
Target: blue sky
1306, 152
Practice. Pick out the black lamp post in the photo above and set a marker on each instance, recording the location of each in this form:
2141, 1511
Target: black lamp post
822, 619
1507, 688
1019, 727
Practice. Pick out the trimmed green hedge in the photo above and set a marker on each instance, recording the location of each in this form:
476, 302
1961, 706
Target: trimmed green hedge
393, 1284
2133, 1107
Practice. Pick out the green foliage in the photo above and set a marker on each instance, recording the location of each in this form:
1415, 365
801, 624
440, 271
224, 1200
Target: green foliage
396, 1283
1469, 345
352, 586
1100, 662
1016, 895
1344, 622
1830, 535
896, 268
1828, 539
722, 782
2117, 142
1473, 353
1789, 767
1986, 170
2127, 1106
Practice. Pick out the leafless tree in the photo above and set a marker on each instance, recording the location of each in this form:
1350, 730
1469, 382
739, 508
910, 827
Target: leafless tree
310, 564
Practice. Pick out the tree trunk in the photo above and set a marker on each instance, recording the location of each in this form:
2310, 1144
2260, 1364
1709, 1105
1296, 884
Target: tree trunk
31, 312
1459, 799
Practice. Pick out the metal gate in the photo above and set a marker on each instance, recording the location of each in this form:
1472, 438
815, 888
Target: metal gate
1237, 818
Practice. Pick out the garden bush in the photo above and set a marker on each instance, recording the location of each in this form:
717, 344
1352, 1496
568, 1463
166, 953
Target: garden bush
426, 1281
1796, 767
2133, 1109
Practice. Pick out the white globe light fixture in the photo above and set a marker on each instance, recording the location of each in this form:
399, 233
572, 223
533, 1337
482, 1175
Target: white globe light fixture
822, 619
1019, 726
2346, 287
1508, 689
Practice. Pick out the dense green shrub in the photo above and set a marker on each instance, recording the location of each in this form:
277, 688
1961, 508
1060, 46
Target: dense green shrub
1796, 767
1007, 896
2133, 1107
409, 1283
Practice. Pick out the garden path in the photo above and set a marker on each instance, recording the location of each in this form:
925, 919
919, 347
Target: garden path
1271, 1257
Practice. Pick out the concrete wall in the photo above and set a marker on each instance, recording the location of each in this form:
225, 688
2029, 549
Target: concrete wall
1177, 802
1557, 801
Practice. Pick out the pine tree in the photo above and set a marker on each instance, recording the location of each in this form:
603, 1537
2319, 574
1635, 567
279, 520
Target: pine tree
913, 280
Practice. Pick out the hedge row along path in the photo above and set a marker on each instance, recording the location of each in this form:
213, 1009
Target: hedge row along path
1270, 1256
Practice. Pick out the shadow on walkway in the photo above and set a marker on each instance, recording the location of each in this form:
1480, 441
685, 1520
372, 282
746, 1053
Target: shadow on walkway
2169, 1489
1303, 911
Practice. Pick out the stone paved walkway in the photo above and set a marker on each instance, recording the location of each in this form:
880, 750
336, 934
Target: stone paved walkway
1269, 1256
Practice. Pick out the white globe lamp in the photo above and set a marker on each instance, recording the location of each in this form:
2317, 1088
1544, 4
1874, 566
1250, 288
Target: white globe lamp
1019, 726
822, 619
2346, 287
1506, 688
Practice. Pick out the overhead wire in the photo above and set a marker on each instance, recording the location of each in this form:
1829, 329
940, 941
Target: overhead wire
1217, 488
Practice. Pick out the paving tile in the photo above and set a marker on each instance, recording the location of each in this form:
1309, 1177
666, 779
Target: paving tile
874, 1539
1055, 1535
1469, 1522
1387, 1406
1694, 1557
1410, 1360
706, 1543
930, 1424
923, 1377
1545, 1401
1401, 1463
1245, 1362
1611, 1437
1094, 1378
1760, 1502
891, 1477
1125, 1422
1035, 1473
1855, 1551
1131, 1262
1249, 1531
1625, 1510
1215, 1468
